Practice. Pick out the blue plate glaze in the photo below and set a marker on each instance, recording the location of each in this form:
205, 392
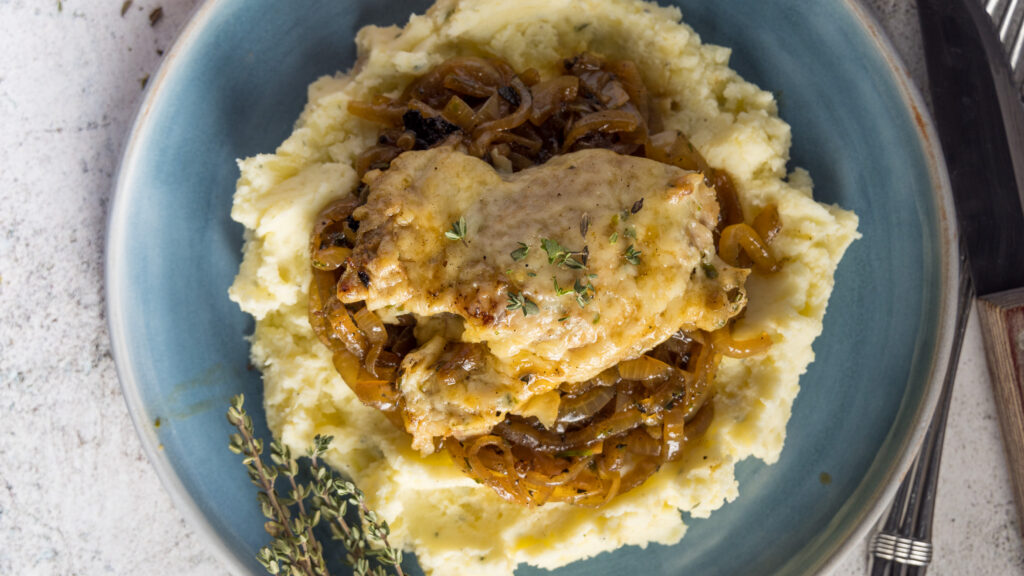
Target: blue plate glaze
236, 81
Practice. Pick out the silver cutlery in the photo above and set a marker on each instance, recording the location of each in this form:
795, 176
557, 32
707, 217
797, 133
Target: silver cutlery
980, 118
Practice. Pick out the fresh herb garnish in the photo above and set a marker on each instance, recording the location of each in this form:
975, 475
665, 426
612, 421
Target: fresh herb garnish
553, 248
614, 237
458, 230
521, 252
584, 292
709, 270
630, 232
293, 515
571, 262
516, 301
559, 291
597, 318
633, 255
560, 256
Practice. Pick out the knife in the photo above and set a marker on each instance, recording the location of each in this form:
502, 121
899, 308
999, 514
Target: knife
980, 120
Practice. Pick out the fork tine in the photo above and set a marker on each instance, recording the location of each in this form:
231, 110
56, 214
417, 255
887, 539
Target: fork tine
1008, 21
995, 8
1015, 56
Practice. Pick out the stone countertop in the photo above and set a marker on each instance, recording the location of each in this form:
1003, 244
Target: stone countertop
77, 495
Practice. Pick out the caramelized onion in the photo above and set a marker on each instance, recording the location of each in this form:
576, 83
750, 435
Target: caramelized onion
371, 326
486, 132
767, 223
376, 157
737, 237
381, 110
579, 408
700, 423
673, 433
727, 346
603, 121
459, 113
343, 328
549, 95
643, 369
614, 430
628, 75
730, 211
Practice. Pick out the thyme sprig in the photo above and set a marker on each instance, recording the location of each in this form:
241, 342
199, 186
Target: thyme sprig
292, 517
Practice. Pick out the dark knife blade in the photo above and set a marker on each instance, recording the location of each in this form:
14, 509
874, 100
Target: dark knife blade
980, 122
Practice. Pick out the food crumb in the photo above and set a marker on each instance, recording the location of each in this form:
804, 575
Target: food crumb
143, 81
825, 478
156, 423
156, 15
124, 7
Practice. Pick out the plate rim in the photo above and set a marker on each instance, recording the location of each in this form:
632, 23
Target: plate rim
115, 229
949, 255
880, 496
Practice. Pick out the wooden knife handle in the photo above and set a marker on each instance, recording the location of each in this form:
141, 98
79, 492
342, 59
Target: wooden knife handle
1002, 327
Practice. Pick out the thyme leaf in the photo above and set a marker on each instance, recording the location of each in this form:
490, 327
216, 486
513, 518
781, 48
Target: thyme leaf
553, 249
560, 256
521, 252
559, 291
458, 230
709, 270
633, 255
516, 301
584, 292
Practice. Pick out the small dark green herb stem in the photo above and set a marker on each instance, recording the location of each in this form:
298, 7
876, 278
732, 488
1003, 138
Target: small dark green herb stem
314, 465
311, 546
363, 510
268, 488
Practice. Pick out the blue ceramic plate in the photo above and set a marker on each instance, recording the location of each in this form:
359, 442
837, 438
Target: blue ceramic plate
236, 81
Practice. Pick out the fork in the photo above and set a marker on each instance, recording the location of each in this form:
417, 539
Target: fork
903, 545
1008, 16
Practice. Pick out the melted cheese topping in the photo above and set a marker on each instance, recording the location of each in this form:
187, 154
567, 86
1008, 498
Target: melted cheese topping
643, 265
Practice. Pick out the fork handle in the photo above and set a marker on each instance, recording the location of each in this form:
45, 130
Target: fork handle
1002, 327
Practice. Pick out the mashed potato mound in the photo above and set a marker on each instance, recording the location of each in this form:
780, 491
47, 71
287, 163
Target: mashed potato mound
433, 508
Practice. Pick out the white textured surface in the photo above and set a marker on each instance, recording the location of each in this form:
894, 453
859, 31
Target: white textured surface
77, 496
